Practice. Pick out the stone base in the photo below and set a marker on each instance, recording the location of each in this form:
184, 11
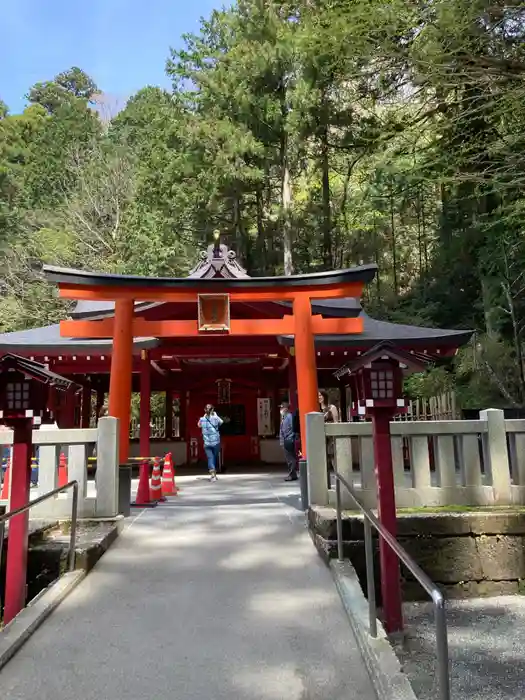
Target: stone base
470, 554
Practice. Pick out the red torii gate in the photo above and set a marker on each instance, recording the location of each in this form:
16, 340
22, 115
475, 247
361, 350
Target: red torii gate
125, 290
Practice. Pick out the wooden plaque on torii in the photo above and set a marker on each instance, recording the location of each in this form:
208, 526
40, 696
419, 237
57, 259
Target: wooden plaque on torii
214, 312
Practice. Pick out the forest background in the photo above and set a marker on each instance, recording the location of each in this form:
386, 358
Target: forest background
314, 135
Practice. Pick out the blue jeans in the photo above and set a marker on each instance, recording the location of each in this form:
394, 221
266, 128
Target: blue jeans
212, 453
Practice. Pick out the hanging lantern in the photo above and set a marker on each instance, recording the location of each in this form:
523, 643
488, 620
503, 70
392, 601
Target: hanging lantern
224, 391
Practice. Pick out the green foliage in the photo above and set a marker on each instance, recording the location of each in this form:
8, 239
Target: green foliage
314, 135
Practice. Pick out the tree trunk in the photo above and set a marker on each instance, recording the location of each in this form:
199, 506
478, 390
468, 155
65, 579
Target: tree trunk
260, 245
376, 258
286, 186
394, 247
419, 233
489, 311
286, 199
325, 173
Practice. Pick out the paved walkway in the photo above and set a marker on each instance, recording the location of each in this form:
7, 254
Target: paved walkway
486, 643
218, 594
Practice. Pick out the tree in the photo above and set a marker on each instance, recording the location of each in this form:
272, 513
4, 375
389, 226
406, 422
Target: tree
67, 86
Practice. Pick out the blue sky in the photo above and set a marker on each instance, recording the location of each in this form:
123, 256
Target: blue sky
122, 44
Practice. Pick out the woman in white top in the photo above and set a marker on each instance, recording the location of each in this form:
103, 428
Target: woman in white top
331, 415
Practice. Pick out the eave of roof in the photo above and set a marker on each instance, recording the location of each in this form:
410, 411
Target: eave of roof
60, 275
36, 370
416, 361
48, 340
375, 331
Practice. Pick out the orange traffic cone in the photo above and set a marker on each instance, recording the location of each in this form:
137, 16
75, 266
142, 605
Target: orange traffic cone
156, 482
62, 470
143, 499
168, 478
4, 496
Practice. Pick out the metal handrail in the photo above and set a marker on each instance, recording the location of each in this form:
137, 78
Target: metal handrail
74, 517
430, 587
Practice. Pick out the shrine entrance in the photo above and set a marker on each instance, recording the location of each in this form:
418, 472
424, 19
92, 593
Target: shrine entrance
246, 367
236, 403
202, 324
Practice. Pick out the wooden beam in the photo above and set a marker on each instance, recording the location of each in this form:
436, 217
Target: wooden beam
189, 329
153, 294
169, 329
159, 369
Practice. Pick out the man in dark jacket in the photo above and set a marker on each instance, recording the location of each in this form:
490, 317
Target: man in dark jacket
287, 440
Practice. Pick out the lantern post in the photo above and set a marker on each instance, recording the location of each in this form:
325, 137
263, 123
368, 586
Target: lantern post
377, 380
24, 394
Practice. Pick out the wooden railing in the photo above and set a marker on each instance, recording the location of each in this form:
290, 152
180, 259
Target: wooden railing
442, 407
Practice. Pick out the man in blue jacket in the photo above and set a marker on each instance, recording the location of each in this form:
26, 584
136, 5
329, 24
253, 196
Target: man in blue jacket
287, 440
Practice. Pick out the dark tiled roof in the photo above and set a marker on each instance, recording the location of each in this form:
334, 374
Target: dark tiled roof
36, 370
374, 331
48, 339
61, 275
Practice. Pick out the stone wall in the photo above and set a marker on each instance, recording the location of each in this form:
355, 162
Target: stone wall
468, 554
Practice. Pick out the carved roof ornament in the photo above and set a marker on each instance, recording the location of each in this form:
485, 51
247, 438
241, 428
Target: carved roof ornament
218, 261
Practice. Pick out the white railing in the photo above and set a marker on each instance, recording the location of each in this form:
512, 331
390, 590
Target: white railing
436, 463
98, 499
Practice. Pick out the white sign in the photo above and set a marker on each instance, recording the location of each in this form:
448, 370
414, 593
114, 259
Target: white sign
264, 417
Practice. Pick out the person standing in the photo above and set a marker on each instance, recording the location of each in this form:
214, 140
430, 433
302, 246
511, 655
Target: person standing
287, 440
210, 424
331, 415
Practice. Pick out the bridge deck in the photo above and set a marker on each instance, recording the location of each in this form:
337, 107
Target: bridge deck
217, 594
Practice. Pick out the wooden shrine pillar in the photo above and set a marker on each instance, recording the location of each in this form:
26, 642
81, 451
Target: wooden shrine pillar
53, 402
121, 368
145, 405
306, 366
343, 413
85, 418
169, 413
66, 418
276, 414
101, 395
15, 584
292, 381
184, 408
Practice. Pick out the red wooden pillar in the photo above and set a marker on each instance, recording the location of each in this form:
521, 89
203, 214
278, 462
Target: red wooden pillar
85, 418
169, 414
390, 573
16, 569
306, 367
292, 381
145, 405
143, 491
121, 368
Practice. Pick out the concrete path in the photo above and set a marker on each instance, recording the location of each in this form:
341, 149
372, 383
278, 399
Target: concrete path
218, 594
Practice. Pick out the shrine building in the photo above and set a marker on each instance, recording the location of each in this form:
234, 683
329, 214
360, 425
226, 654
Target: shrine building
217, 336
